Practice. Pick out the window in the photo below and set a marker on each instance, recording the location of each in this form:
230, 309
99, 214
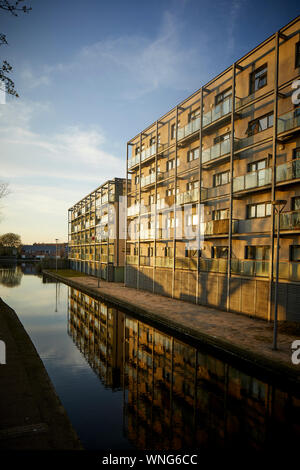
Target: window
190, 253
191, 220
158, 139
221, 178
219, 252
222, 137
168, 251
220, 214
170, 192
150, 251
297, 55
193, 154
295, 253
152, 141
194, 114
257, 252
151, 199
137, 150
136, 180
258, 79
171, 164
220, 97
258, 165
260, 124
296, 203
173, 133
262, 209
192, 185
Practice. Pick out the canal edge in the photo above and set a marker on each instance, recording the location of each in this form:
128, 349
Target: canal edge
56, 423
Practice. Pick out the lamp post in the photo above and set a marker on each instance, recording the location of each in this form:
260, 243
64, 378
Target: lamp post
56, 240
278, 207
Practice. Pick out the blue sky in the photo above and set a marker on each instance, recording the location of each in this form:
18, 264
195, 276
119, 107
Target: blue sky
91, 74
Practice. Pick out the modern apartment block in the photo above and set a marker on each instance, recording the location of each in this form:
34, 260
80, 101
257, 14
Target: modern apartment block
201, 181
96, 245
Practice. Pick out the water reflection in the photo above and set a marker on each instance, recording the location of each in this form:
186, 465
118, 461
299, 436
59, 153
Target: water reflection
10, 275
175, 395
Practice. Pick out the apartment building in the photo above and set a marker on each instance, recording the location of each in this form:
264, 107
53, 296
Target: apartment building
201, 186
95, 228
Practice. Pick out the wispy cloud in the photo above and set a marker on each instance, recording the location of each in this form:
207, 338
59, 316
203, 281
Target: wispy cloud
47, 172
144, 64
234, 11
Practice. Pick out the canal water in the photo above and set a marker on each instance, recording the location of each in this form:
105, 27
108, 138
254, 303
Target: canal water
128, 385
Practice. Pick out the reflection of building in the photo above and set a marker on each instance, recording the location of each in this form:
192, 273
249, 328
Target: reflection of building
95, 238
239, 136
180, 397
97, 330
176, 396
45, 250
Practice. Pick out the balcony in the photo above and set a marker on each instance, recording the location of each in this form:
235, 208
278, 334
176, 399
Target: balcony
186, 263
189, 129
215, 191
187, 197
289, 220
150, 179
255, 179
147, 153
130, 259
288, 171
216, 151
148, 234
219, 111
218, 227
164, 262
287, 123
132, 211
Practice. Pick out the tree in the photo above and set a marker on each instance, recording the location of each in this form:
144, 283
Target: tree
5, 68
10, 239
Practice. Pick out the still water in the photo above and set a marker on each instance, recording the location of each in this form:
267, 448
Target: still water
128, 385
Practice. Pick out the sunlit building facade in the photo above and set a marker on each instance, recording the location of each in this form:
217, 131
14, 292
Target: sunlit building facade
201, 182
96, 232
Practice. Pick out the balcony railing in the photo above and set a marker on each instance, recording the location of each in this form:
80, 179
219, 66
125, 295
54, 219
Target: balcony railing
147, 234
288, 171
289, 220
142, 156
288, 121
216, 151
132, 259
217, 112
186, 263
164, 262
133, 210
145, 180
189, 129
218, 227
188, 196
251, 180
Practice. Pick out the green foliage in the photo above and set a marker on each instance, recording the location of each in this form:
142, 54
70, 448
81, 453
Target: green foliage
13, 8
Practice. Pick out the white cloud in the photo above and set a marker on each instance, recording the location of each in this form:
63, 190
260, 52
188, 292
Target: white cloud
47, 173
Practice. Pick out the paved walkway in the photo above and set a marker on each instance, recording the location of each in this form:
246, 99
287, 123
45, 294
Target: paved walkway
249, 339
31, 414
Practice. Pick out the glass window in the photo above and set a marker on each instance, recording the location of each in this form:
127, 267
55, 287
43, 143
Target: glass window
223, 96
295, 253
258, 78
258, 252
297, 55
259, 210
260, 124
296, 203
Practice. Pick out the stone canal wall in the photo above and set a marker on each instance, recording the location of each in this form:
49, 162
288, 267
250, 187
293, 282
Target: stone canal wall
32, 416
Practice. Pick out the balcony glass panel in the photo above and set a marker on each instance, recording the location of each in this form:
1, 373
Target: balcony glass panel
216, 151
288, 121
288, 171
254, 179
189, 129
217, 112
289, 220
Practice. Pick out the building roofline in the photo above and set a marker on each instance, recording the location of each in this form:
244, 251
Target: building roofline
263, 43
113, 180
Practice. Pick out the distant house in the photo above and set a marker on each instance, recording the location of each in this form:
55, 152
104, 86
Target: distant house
44, 250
